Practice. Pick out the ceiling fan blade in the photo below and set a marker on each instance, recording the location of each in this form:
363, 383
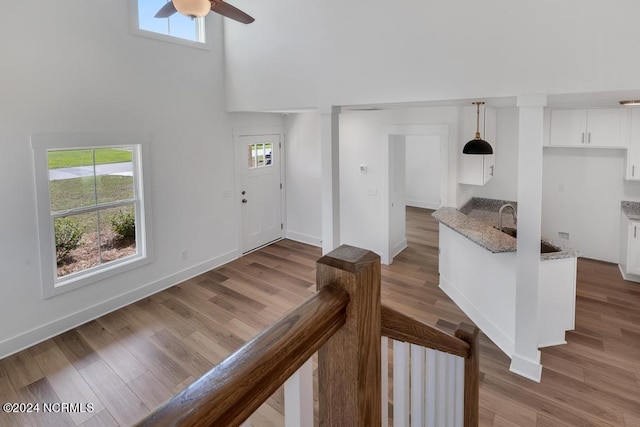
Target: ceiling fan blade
225, 9
166, 11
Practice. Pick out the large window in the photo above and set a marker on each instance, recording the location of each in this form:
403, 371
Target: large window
91, 211
176, 28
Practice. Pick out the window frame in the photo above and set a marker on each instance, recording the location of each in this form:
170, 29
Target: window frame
41, 144
135, 29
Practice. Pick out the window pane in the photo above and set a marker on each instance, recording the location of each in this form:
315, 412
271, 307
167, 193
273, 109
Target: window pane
260, 155
176, 25
76, 242
117, 233
146, 20
267, 154
252, 156
71, 179
114, 175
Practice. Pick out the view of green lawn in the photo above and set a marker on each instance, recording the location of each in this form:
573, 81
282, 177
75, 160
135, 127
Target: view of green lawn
80, 192
73, 158
88, 191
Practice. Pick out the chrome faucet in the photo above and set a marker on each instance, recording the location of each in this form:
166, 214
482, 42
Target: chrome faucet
515, 215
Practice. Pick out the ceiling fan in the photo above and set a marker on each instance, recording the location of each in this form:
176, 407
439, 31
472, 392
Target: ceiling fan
198, 8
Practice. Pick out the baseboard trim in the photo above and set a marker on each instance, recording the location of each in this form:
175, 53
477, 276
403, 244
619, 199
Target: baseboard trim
304, 238
551, 343
525, 367
27, 339
401, 246
421, 204
628, 277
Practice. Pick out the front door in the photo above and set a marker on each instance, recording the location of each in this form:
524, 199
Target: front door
260, 190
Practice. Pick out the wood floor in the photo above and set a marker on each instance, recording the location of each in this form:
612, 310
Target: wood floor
126, 363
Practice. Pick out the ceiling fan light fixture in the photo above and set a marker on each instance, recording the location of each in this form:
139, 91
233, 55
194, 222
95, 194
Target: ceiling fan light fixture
193, 8
477, 145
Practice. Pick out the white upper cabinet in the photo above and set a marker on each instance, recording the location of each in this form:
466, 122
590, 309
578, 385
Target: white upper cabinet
633, 153
594, 127
477, 169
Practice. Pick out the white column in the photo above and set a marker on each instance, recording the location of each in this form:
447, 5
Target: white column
526, 357
330, 164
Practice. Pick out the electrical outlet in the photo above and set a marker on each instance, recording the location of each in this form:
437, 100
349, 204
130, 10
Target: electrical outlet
184, 255
563, 235
372, 191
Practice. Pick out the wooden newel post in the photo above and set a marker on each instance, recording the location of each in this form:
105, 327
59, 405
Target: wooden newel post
469, 334
349, 373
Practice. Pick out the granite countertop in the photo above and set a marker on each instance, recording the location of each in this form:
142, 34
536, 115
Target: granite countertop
631, 210
476, 221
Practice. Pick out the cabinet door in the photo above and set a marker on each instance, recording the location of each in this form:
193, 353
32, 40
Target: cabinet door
490, 133
605, 127
568, 128
633, 153
633, 265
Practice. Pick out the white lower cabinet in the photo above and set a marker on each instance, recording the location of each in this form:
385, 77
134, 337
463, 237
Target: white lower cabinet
630, 249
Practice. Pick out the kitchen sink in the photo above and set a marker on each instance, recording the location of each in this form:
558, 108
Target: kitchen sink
545, 247
513, 232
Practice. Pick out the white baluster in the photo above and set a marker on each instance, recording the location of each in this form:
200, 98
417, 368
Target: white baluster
384, 362
450, 389
459, 418
431, 390
441, 387
400, 384
417, 385
298, 397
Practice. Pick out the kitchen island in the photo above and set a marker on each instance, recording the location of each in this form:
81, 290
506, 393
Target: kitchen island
477, 267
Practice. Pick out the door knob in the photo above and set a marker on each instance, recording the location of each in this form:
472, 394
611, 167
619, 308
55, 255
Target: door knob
243, 192
244, 200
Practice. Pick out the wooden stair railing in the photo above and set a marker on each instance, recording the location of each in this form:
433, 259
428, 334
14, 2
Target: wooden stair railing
464, 344
344, 321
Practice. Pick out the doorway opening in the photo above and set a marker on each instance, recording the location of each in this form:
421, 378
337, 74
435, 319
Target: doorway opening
417, 176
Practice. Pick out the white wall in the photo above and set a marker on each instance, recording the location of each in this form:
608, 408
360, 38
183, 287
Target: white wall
397, 159
582, 190
310, 54
423, 171
303, 178
364, 139
79, 69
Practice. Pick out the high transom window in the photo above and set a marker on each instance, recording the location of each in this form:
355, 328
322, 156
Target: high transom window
176, 28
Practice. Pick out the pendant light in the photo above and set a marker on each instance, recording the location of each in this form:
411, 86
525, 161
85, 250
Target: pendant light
477, 145
192, 8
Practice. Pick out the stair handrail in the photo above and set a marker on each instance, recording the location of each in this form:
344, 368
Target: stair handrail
230, 392
344, 322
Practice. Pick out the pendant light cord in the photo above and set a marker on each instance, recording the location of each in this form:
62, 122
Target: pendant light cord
478, 121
